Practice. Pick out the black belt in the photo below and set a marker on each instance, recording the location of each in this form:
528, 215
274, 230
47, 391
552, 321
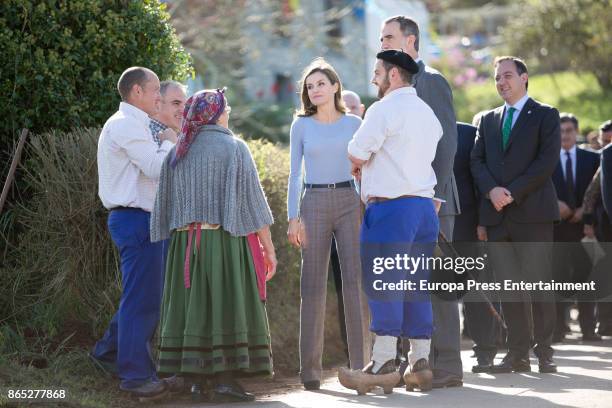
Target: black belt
350, 183
373, 200
125, 208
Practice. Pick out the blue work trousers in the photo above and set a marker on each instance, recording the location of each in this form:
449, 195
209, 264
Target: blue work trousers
127, 341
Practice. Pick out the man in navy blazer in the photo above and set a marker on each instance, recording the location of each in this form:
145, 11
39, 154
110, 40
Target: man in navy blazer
479, 322
572, 176
606, 172
605, 229
514, 156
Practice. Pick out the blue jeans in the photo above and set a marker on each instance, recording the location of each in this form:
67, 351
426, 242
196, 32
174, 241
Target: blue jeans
127, 339
411, 224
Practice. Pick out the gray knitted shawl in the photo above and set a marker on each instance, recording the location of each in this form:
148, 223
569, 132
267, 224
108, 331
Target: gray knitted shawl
216, 182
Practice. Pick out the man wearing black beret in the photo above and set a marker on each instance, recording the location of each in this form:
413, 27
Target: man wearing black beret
431, 86
392, 154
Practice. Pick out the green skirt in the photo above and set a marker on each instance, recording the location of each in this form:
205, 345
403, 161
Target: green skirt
218, 324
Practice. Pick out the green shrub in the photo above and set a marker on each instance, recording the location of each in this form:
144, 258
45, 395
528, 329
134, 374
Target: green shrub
268, 122
62, 59
64, 257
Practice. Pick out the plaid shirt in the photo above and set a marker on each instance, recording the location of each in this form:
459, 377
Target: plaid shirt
156, 128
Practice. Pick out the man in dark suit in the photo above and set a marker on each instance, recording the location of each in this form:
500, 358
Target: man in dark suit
605, 135
597, 221
572, 176
605, 229
479, 322
514, 156
401, 32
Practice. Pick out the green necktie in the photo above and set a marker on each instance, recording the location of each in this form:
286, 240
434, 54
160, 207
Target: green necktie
507, 128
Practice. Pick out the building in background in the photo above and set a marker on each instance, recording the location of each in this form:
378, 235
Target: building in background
281, 37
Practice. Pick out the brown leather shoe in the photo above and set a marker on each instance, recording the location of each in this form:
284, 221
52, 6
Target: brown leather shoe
364, 381
419, 377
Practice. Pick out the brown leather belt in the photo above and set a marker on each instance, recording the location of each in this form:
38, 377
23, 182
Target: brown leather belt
373, 200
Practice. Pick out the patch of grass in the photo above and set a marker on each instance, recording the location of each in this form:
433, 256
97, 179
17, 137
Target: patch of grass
577, 93
67, 370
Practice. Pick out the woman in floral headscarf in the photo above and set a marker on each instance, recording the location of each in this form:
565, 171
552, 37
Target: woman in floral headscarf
211, 205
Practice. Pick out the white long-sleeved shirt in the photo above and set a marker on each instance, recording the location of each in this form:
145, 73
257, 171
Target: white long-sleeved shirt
398, 138
129, 161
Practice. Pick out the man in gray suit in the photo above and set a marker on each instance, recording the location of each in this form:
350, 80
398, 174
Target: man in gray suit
401, 32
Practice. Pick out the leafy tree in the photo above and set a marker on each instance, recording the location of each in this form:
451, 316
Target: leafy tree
564, 34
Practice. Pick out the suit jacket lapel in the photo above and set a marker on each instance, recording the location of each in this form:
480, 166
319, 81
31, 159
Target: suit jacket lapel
497, 123
524, 116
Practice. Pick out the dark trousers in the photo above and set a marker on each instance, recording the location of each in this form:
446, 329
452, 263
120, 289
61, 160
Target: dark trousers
571, 263
604, 234
479, 322
530, 323
127, 340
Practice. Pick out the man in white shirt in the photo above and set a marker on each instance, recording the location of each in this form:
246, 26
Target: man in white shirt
402, 32
129, 164
392, 154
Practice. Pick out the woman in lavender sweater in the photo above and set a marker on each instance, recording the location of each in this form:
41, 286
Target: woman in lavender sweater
329, 207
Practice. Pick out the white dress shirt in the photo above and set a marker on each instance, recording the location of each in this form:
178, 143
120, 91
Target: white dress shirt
518, 106
572, 153
129, 161
398, 138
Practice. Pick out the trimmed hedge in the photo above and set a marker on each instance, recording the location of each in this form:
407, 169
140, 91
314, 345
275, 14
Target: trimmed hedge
62, 59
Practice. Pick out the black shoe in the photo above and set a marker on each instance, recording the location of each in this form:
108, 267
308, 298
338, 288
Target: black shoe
175, 384
198, 393
149, 391
604, 330
591, 337
230, 392
484, 365
313, 385
511, 363
443, 379
546, 365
